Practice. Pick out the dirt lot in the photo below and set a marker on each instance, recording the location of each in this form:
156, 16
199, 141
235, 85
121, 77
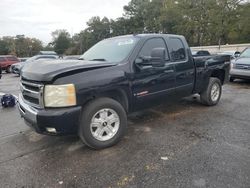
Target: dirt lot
182, 145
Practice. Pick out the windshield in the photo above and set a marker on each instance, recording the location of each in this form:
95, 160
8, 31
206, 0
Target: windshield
111, 50
31, 59
246, 53
194, 52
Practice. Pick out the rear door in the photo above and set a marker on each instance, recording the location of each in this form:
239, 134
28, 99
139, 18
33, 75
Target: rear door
181, 58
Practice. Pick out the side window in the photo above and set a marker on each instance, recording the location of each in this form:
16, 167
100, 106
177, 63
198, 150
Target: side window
51, 57
40, 58
200, 53
150, 45
12, 59
48, 57
177, 49
206, 53
2, 59
203, 53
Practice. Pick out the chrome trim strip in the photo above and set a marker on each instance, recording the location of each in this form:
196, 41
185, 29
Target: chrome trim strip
23, 87
31, 84
29, 93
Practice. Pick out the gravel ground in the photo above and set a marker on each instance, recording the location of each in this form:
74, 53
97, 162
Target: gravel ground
180, 145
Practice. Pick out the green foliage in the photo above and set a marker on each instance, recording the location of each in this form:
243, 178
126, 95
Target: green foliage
4, 48
202, 22
20, 46
61, 41
243, 24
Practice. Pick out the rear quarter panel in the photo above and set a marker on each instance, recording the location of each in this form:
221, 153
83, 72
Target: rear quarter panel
206, 66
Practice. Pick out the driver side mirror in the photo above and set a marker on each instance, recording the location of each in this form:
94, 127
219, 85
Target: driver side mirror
237, 54
158, 56
156, 59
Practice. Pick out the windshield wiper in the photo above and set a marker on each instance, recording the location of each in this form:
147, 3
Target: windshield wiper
98, 59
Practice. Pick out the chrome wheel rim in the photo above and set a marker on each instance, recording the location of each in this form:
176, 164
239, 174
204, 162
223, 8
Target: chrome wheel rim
104, 124
215, 92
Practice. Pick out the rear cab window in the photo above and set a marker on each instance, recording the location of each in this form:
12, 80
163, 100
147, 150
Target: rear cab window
177, 49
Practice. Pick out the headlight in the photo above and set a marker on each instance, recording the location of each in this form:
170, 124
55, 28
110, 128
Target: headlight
59, 95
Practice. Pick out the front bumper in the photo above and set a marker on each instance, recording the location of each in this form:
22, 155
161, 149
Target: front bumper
64, 120
15, 70
240, 73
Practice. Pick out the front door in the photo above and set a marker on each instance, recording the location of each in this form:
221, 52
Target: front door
152, 84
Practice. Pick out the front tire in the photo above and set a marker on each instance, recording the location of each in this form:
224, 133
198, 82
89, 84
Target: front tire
211, 96
8, 69
103, 123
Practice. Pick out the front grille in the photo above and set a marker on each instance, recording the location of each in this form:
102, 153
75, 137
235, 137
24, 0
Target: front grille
242, 66
32, 93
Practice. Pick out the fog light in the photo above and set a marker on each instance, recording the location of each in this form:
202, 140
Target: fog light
51, 130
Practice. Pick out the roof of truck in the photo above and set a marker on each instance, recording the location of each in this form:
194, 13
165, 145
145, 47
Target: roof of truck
7, 56
147, 35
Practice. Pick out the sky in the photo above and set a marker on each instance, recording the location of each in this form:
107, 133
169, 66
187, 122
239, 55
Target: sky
39, 18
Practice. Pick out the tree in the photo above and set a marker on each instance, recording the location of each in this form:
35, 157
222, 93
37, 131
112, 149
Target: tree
20, 46
35, 46
224, 19
61, 41
240, 33
202, 22
4, 49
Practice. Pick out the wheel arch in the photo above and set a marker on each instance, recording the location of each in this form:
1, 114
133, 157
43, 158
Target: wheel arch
118, 95
220, 74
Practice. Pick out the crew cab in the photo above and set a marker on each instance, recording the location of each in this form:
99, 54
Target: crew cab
92, 96
6, 61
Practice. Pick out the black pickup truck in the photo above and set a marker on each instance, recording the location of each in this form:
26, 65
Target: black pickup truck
92, 96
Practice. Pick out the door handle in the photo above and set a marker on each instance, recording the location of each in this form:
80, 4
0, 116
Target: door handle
169, 71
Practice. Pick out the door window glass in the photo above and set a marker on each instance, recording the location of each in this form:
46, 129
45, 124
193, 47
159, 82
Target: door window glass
177, 49
150, 45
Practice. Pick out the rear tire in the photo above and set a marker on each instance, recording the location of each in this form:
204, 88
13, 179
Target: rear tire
231, 79
212, 94
103, 123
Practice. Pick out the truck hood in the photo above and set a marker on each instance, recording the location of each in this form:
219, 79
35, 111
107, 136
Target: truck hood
242, 60
46, 71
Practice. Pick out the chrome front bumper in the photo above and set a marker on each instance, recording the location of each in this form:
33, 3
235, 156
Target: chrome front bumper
27, 112
240, 72
63, 120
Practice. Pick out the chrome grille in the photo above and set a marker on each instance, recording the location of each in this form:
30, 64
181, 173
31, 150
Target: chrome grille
242, 66
32, 93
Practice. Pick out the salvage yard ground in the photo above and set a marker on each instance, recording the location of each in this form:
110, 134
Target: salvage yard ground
181, 145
